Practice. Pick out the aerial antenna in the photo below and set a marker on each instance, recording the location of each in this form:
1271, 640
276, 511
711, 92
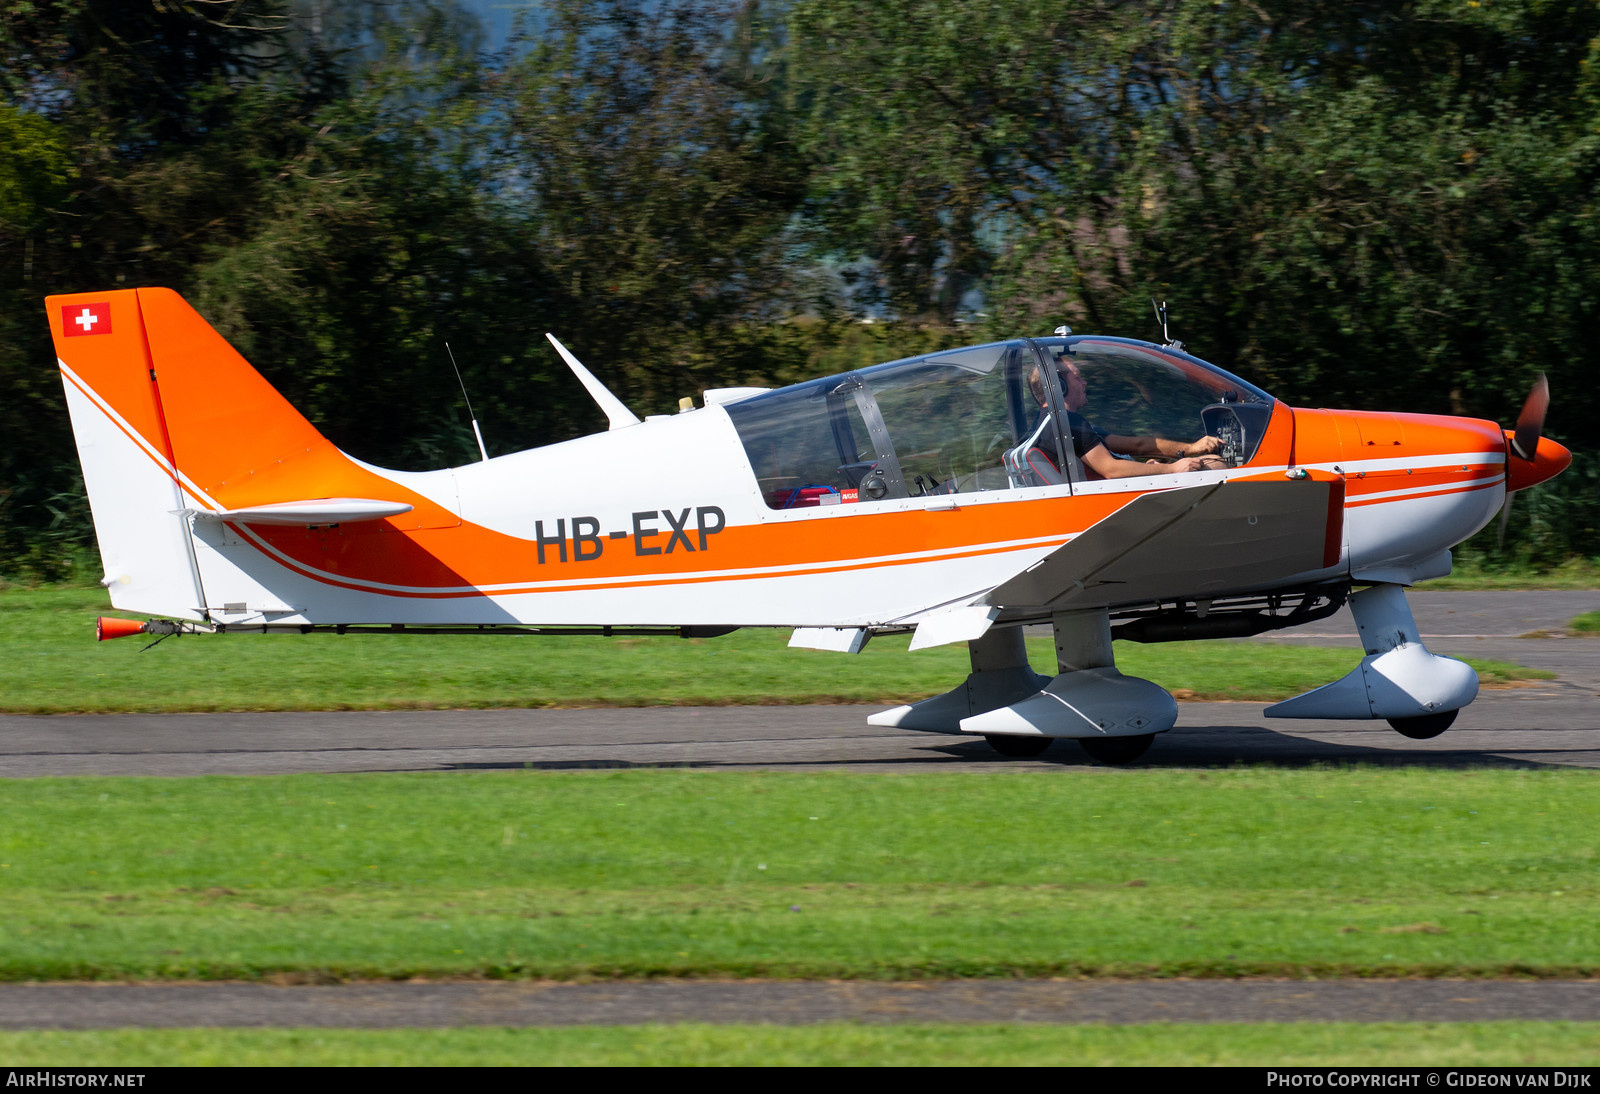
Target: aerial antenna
476, 432
1161, 317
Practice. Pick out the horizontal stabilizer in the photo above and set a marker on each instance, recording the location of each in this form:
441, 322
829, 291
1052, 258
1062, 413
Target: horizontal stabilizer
1197, 541
305, 514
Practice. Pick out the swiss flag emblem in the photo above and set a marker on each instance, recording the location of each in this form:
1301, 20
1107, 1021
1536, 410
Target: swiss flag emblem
79, 319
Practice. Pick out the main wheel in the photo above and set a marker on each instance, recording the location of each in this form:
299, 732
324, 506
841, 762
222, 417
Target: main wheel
1007, 745
1425, 726
1116, 750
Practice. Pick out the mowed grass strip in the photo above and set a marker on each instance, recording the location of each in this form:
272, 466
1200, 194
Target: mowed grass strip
1587, 623
50, 664
1387, 1044
1366, 872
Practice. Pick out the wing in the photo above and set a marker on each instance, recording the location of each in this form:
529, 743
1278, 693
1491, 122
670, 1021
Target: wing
1197, 541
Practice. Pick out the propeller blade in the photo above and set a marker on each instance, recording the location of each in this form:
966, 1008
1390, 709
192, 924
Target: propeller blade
1505, 519
1530, 423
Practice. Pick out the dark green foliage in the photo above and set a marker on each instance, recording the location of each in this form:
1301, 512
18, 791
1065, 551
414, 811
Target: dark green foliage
652, 143
135, 136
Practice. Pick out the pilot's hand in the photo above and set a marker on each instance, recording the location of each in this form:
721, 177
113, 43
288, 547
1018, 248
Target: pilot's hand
1203, 446
1195, 463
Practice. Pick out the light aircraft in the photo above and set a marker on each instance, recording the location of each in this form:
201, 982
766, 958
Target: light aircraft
940, 495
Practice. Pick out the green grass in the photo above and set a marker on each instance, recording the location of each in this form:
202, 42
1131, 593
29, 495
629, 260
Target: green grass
1366, 872
1387, 1044
1587, 623
49, 663
1471, 574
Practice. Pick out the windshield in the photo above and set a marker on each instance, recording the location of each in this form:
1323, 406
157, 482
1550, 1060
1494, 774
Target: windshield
1132, 389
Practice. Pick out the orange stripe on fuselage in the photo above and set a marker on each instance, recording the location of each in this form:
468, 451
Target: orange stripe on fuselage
239, 443
643, 580
1368, 487
360, 554
1439, 493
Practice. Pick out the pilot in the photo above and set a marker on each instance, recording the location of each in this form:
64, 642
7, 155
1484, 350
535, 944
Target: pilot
1096, 447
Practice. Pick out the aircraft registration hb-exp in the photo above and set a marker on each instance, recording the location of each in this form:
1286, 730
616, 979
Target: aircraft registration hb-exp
958, 496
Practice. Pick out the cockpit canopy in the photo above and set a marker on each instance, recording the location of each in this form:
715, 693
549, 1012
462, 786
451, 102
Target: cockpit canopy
990, 417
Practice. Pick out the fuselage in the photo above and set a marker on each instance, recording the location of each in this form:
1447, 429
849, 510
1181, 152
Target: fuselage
893, 498
663, 524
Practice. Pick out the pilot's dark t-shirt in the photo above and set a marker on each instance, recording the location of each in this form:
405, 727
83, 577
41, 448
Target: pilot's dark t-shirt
1085, 436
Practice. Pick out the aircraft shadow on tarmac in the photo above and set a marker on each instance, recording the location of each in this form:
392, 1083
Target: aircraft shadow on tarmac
1204, 746
1232, 746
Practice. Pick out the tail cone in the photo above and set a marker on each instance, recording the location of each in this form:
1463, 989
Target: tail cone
106, 627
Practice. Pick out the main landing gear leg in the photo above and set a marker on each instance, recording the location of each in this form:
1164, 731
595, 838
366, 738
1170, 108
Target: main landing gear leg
1000, 675
1020, 712
1415, 691
1114, 717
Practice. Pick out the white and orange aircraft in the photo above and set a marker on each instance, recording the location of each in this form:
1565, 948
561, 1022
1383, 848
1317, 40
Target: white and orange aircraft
957, 496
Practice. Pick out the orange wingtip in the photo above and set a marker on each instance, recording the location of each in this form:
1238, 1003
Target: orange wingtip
106, 627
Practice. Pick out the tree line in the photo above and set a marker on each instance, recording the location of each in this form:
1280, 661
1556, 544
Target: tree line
1383, 205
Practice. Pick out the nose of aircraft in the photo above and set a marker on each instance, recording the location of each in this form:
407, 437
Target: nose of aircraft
1549, 460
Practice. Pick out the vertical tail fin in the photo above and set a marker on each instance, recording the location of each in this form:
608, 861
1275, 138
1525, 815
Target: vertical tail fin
170, 419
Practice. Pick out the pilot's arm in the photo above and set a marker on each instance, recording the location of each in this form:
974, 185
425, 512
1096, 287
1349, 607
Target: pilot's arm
1161, 447
1108, 466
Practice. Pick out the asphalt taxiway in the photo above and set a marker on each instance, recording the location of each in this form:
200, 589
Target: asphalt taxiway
780, 1002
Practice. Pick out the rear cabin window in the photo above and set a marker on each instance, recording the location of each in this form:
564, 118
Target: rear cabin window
938, 424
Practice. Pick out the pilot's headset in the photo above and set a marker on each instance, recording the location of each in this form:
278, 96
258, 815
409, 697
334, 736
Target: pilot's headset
1059, 356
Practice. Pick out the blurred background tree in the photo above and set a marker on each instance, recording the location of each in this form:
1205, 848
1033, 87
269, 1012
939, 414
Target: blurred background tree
1373, 204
